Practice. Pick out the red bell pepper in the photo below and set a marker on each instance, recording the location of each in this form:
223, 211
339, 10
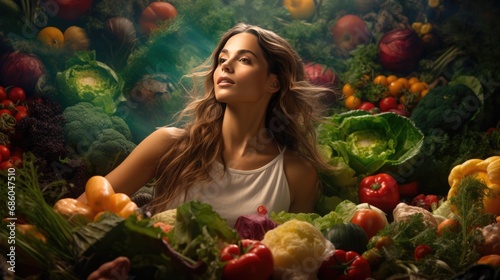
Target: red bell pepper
345, 265
380, 190
250, 260
408, 190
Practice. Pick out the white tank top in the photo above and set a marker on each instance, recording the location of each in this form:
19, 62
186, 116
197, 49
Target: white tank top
240, 192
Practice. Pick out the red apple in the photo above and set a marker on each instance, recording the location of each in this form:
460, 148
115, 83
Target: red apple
350, 31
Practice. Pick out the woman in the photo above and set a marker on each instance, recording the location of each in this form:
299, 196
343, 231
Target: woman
250, 140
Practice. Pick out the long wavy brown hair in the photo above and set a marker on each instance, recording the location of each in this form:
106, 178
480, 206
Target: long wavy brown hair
290, 118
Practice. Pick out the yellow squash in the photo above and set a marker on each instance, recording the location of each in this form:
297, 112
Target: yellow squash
487, 170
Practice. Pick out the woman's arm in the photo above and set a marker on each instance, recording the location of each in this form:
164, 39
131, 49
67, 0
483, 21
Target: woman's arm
140, 166
302, 180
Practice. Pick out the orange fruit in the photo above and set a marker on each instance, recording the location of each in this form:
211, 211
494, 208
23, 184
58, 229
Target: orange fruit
381, 80
300, 9
413, 80
352, 102
347, 90
418, 87
51, 36
448, 225
405, 82
395, 88
391, 78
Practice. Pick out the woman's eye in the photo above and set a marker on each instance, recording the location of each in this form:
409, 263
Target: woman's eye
245, 60
221, 60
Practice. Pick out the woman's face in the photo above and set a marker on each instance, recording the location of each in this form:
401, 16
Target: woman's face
242, 72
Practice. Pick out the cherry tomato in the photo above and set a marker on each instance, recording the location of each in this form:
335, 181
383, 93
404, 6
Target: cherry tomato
347, 90
9, 105
381, 80
6, 165
3, 94
5, 152
370, 220
383, 241
5, 111
396, 87
20, 115
345, 265
448, 225
262, 210
367, 106
17, 94
391, 78
388, 103
405, 82
17, 161
21, 108
352, 102
421, 251
418, 87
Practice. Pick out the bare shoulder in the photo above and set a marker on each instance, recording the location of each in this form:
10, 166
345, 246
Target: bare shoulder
302, 180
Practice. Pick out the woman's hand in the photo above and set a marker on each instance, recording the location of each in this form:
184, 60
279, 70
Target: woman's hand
114, 270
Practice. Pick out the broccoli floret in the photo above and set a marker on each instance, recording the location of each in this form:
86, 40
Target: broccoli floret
102, 140
108, 150
121, 126
84, 122
446, 110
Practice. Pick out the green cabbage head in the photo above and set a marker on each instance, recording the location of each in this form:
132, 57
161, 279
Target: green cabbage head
370, 142
89, 80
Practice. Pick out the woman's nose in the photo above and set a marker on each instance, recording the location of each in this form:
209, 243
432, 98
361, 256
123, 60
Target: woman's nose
226, 67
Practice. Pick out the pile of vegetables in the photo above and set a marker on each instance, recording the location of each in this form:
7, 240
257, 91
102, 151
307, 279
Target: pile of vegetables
414, 102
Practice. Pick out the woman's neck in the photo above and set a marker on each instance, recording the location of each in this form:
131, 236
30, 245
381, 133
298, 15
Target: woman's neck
244, 134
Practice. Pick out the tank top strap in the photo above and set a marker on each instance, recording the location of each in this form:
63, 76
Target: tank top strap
279, 149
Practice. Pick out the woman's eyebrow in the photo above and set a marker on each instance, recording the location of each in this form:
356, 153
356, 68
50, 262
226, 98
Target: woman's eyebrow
240, 52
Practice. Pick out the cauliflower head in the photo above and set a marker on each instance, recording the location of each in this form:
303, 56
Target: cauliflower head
298, 248
168, 217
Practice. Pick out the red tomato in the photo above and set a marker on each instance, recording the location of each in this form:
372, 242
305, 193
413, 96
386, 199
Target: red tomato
388, 103
17, 161
380, 190
17, 94
6, 165
9, 105
3, 94
367, 106
421, 251
155, 14
20, 115
21, 108
5, 111
5, 152
370, 220
345, 265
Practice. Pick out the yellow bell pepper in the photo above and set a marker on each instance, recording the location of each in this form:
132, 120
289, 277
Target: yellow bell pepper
487, 170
